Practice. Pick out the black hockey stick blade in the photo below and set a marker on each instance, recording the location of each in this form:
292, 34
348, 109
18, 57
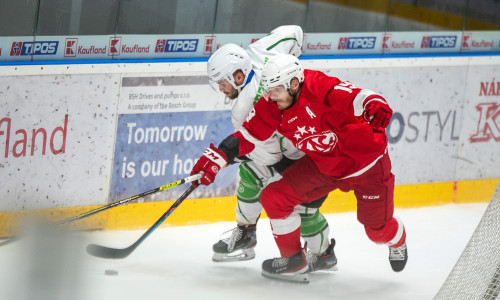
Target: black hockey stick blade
111, 253
119, 253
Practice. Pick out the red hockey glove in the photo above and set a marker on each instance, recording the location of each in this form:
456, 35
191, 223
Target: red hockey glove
377, 113
209, 164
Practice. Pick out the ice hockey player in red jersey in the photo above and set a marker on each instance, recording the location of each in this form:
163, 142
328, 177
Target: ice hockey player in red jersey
236, 72
341, 130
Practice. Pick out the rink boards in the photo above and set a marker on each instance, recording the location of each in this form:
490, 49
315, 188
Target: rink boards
78, 136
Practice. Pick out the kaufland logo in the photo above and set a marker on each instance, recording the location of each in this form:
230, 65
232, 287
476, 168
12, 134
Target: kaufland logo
351, 43
210, 45
439, 41
319, 46
34, 48
176, 45
385, 42
114, 46
92, 50
388, 43
468, 43
70, 47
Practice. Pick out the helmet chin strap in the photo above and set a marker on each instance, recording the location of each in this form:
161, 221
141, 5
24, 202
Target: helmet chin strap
245, 82
294, 97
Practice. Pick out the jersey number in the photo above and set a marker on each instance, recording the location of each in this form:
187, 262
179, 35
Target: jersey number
345, 86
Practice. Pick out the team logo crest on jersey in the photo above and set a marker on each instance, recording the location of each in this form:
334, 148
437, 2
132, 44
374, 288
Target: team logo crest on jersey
321, 142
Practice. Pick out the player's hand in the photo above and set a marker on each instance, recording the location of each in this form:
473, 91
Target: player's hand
209, 165
377, 113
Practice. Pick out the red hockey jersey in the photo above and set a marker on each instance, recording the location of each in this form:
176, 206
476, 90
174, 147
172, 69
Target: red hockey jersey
325, 122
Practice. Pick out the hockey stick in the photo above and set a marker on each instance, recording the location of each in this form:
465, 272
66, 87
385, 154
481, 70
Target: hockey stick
114, 253
105, 207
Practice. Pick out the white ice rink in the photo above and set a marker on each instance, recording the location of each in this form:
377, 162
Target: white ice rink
175, 263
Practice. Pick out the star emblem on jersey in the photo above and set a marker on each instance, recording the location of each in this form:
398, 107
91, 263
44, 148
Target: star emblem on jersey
324, 142
301, 130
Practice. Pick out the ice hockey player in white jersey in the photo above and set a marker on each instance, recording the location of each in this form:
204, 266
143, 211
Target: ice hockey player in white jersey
236, 73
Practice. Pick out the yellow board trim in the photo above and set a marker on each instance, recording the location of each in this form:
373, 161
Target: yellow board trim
203, 211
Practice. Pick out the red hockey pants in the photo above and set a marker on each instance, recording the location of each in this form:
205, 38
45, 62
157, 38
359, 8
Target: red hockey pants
302, 182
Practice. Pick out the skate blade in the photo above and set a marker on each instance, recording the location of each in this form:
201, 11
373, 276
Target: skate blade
294, 277
238, 255
326, 270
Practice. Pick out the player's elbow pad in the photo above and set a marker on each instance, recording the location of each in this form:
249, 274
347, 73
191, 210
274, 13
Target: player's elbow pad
230, 147
235, 145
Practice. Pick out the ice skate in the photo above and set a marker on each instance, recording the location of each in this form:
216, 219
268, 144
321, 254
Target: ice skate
293, 268
326, 261
238, 247
398, 257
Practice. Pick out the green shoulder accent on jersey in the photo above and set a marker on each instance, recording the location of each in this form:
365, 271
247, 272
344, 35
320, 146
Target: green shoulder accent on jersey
260, 89
282, 40
259, 93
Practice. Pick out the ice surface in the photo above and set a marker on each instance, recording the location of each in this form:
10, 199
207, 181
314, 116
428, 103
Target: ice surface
175, 263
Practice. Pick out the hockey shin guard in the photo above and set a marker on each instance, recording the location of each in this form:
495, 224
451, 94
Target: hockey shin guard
314, 229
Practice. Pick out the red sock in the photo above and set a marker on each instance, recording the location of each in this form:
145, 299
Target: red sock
289, 244
393, 234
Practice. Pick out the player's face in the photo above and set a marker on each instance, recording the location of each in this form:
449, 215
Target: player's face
228, 90
281, 96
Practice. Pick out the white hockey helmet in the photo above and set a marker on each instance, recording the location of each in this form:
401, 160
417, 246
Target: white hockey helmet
280, 70
224, 62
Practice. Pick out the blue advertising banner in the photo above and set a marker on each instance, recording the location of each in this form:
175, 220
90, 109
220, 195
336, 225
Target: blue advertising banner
153, 149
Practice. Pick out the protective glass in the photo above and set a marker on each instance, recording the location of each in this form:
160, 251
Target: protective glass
217, 85
275, 93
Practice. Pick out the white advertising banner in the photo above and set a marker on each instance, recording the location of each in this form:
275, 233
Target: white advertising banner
479, 151
71, 140
440, 42
56, 140
163, 94
86, 47
481, 41
401, 42
11, 46
164, 124
116, 47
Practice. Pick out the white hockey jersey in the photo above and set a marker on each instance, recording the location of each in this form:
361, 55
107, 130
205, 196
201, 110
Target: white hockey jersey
282, 40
